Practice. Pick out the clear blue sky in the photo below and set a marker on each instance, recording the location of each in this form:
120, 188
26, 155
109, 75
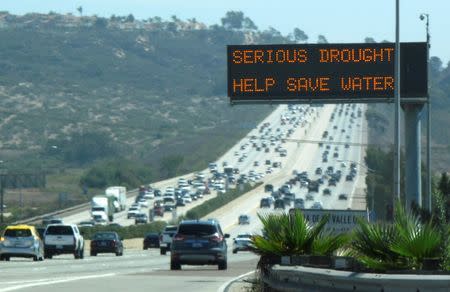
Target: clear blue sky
338, 20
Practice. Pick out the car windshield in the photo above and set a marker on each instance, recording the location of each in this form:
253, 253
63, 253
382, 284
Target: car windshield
18, 232
197, 229
171, 229
59, 230
103, 236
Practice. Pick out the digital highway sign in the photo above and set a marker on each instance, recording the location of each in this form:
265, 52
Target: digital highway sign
325, 72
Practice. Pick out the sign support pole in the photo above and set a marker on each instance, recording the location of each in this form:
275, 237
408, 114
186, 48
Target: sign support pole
396, 188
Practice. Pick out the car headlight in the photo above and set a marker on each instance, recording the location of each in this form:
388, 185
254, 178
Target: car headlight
7, 243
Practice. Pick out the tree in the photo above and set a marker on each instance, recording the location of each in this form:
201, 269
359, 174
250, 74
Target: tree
299, 35
321, 39
249, 24
170, 165
130, 18
100, 22
369, 40
80, 10
233, 20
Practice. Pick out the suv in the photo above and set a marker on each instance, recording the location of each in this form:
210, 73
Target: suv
165, 239
199, 242
21, 241
63, 239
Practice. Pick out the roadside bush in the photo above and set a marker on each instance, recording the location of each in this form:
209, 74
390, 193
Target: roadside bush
117, 172
125, 232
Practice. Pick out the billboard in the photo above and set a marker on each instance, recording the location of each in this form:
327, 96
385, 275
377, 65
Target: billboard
340, 221
328, 73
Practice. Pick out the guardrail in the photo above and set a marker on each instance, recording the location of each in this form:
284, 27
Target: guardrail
298, 278
66, 211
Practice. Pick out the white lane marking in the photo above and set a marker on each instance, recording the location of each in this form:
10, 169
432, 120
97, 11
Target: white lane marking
225, 285
43, 282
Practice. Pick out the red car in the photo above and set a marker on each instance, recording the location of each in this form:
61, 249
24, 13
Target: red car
158, 211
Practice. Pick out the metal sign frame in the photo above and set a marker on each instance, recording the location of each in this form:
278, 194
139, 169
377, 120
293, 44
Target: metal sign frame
252, 62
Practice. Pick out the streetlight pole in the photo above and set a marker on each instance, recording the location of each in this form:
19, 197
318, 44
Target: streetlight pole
428, 154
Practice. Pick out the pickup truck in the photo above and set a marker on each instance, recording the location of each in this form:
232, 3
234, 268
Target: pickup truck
165, 239
63, 239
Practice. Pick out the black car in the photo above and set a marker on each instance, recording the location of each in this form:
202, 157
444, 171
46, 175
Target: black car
268, 188
106, 242
199, 242
279, 204
264, 203
151, 240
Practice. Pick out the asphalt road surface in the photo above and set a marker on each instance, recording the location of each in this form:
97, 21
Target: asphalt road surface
140, 270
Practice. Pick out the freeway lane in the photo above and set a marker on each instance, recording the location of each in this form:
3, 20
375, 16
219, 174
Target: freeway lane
143, 271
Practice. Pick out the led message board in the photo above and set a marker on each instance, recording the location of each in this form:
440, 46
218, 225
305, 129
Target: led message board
325, 72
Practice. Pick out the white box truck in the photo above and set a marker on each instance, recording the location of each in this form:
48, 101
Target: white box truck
120, 193
102, 203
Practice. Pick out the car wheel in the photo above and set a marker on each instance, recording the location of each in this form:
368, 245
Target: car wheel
223, 265
235, 251
145, 248
82, 254
175, 265
48, 256
162, 251
93, 254
35, 258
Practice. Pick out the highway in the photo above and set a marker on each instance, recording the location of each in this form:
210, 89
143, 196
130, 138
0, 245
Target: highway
140, 270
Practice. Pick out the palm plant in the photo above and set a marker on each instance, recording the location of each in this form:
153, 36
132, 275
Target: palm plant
415, 240
290, 234
402, 245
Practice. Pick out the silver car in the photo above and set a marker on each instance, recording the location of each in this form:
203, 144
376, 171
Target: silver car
21, 241
241, 242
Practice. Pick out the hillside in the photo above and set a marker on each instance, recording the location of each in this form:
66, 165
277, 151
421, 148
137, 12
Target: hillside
149, 88
381, 118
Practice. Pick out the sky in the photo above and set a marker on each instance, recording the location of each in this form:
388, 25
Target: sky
342, 21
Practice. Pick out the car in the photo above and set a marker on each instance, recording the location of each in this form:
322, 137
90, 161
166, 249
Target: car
256, 163
309, 197
279, 204
343, 197
349, 177
326, 192
63, 239
165, 239
106, 242
347, 146
243, 219
264, 203
89, 223
317, 206
336, 155
151, 240
242, 242
158, 211
51, 220
268, 188
318, 171
331, 182
21, 241
299, 203
132, 211
199, 242
141, 218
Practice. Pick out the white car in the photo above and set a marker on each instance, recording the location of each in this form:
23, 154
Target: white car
187, 199
143, 203
149, 195
317, 205
241, 242
132, 212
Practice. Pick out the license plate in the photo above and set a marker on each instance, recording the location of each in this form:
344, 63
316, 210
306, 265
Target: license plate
102, 243
59, 246
196, 244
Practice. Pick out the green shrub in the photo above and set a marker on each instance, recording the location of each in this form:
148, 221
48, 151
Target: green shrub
125, 232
